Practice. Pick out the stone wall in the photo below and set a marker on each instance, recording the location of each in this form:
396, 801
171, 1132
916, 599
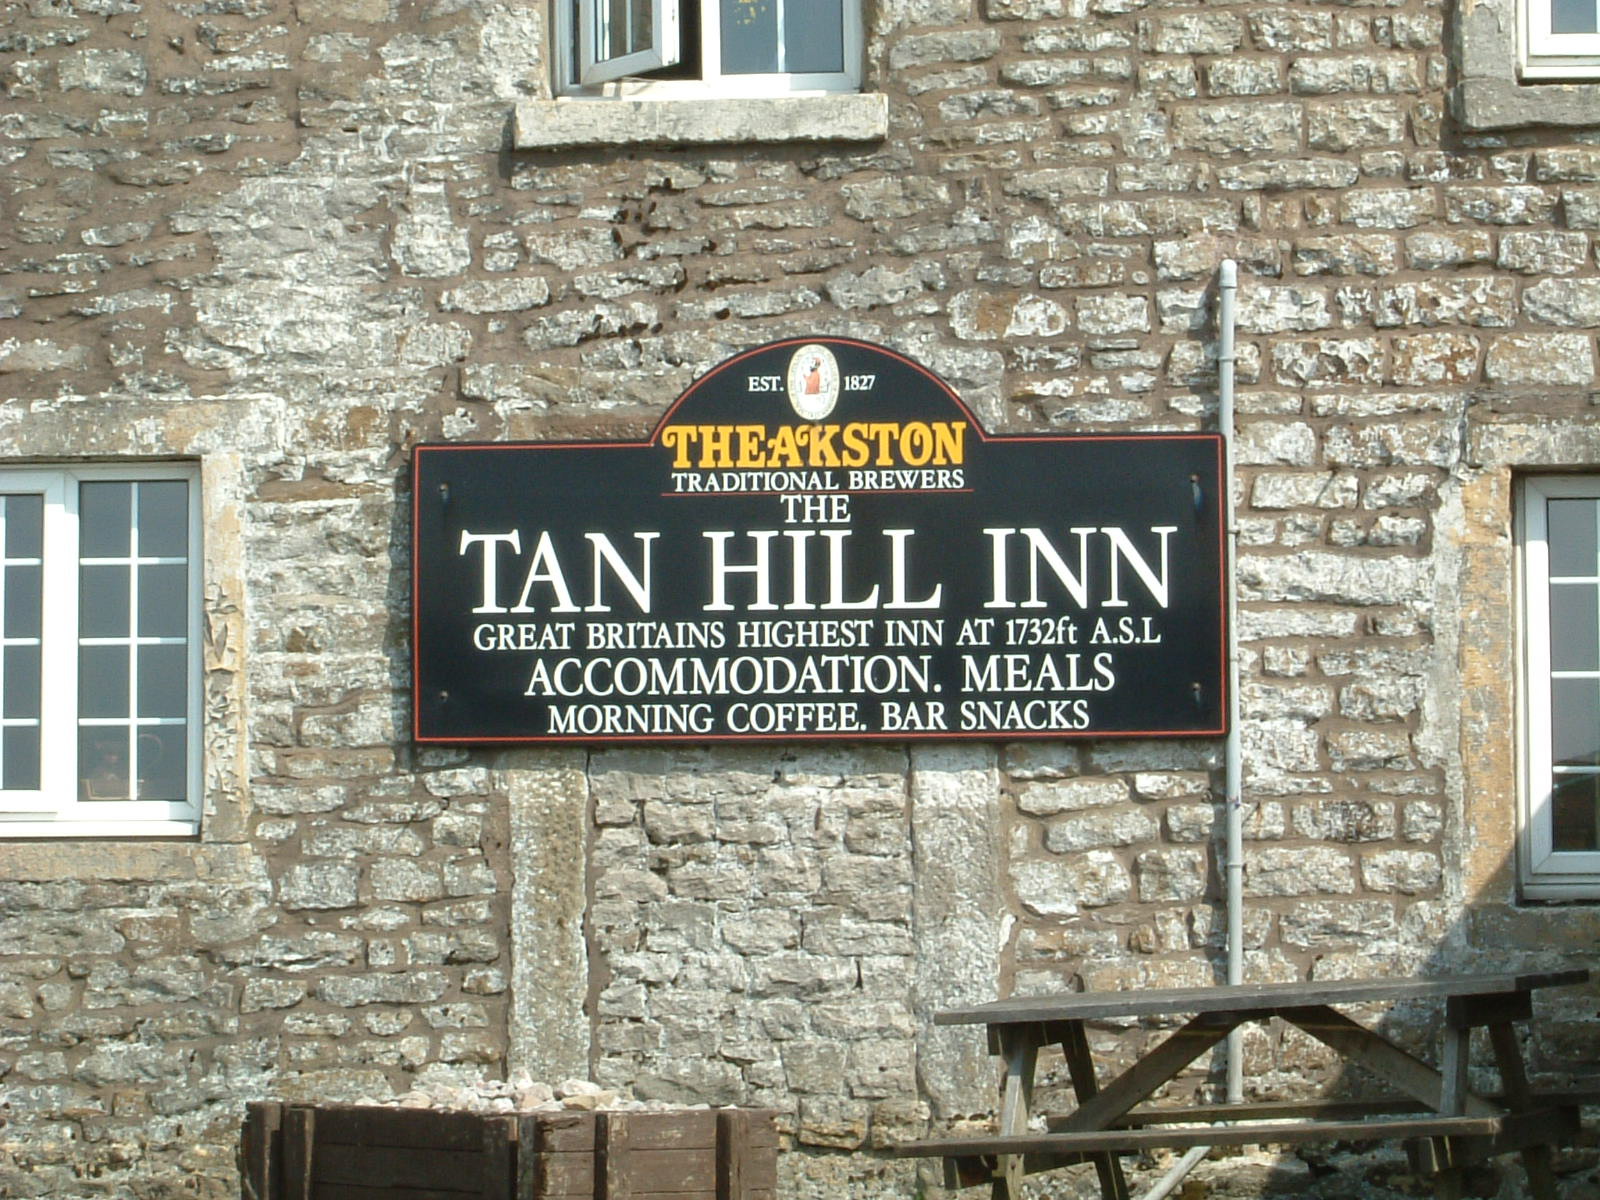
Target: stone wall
290, 240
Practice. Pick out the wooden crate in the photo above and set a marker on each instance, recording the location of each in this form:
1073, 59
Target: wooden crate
315, 1152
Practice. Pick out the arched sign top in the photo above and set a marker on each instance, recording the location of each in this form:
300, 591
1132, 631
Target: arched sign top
817, 382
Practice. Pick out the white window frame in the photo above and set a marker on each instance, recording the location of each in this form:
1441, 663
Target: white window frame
1546, 873
56, 808
1547, 55
663, 50
618, 78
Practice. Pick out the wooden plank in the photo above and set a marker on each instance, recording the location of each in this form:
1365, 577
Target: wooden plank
642, 1172
499, 1159
1536, 1157
1330, 1110
350, 1191
1130, 1141
1469, 1012
1020, 1045
565, 1173
262, 1151
1150, 1072
670, 1130
1391, 1064
418, 1128
1540, 1127
299, 1134
1279, 1110
1080, 1067
733, 1147
1244, 999
460, 1172
762, 1126
563, 1131
648, 1172
611, 1158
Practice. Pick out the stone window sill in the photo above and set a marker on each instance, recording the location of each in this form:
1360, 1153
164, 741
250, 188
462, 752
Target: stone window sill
151, 861
574, 123
1490, 95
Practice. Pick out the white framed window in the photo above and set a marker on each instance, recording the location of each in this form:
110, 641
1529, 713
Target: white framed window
1560, 538
1560, 39
99, 650
691, 48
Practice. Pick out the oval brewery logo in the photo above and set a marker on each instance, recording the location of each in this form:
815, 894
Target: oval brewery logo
813, 382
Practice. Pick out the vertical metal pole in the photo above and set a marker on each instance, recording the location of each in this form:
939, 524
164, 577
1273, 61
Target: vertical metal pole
1232, 788
1232, 754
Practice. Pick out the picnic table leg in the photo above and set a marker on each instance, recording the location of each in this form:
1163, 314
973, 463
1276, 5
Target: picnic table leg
1080, 1066
1450, 1184
1019, 1045
1536, 1160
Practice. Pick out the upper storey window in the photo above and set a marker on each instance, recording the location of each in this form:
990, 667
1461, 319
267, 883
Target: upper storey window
733, 48
1560, 39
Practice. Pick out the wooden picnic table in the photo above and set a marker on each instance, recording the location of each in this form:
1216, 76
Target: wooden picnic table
1445, 1124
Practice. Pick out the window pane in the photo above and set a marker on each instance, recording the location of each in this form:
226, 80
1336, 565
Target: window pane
103, 681
162, 690
625, 27
1572, 537
164, 519
1572, 16
813, 36
1574, 627
19, 685
24, 526
103, 764
1573, 807
162, 762
19, 759
161, 601
103, 601
104, 511
23, 601
1575, 721
749, 36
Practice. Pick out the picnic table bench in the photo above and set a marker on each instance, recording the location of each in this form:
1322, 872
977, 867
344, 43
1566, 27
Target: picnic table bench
1444, 1123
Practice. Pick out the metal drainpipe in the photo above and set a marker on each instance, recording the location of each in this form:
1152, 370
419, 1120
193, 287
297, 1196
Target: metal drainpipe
1227, 286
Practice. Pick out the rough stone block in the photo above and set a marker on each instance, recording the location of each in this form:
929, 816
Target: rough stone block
1411, 872
1329, 362
1061, 887
1573, 302
1298, 871
1486, 303
1288, 174
1543, 252
1172, 875
1290, 30
1327, 74
1387, 208
1427, 359
1238, 128
1547, 358
1099, 830
1516, 205
1357, 124
1195, 33
319, 885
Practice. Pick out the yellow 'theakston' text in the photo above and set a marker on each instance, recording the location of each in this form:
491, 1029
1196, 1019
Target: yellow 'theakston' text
853, 444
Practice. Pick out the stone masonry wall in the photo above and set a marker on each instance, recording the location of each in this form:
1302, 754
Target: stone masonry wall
291, 238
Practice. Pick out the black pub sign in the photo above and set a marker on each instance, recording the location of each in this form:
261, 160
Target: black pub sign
819, 541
